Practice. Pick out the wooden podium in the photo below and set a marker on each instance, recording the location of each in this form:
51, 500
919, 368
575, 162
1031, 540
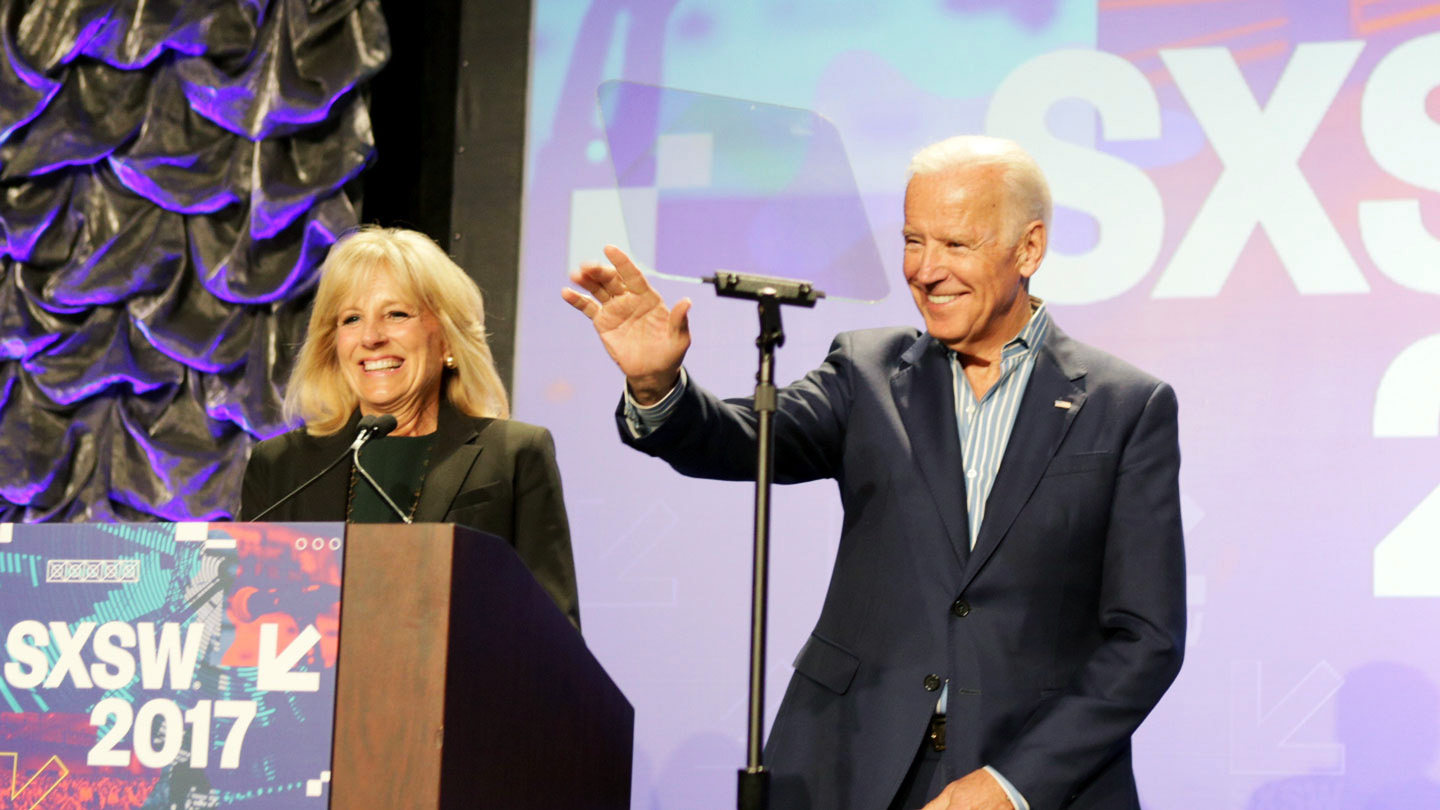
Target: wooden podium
461, 685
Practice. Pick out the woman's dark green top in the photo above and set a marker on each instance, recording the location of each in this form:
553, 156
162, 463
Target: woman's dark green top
398, 464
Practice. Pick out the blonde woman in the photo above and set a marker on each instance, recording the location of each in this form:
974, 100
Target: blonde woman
398, 329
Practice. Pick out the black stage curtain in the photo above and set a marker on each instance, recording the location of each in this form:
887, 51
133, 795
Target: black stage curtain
171, 175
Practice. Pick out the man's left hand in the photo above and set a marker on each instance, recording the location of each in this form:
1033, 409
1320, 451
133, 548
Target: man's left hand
977, 790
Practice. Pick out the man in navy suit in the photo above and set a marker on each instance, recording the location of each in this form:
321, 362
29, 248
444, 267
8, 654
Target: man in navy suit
1008, 599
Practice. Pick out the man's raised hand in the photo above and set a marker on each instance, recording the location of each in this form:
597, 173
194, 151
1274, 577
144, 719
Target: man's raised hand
646, 339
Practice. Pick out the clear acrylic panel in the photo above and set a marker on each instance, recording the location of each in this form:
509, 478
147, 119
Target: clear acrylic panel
709, 183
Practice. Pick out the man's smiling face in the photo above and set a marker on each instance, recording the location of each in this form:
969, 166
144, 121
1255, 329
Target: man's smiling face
963, 264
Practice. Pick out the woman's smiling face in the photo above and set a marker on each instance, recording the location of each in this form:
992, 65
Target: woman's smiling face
391, 349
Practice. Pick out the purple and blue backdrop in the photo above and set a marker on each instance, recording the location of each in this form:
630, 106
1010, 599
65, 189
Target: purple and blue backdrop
171, 175
1246, 206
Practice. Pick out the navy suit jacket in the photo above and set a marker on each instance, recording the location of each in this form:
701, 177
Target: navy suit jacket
1058, 633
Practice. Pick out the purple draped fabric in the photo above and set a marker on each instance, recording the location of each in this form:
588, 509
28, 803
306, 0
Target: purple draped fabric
171, 175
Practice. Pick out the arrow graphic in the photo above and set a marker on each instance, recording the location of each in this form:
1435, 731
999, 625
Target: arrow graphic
1261, 741
274, 668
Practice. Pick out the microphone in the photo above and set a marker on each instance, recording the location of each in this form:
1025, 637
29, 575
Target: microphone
378, 426
371, 427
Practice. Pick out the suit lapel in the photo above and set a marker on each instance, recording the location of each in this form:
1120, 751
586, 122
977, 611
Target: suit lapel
1040, 426
925, 397
451, 457
316, 502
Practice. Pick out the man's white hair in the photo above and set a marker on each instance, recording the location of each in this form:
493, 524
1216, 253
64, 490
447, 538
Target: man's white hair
1026, 191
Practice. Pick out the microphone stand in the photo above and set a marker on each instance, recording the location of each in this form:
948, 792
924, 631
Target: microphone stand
753, 791
380, 490
371, 427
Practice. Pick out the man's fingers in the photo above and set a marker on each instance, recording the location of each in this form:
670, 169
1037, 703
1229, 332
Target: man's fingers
584, 303
611, 282
680, 316
943, 801
633, 279
612, 287
591, 285
595, 278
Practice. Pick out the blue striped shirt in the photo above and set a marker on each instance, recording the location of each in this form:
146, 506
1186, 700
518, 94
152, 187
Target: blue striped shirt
985, 424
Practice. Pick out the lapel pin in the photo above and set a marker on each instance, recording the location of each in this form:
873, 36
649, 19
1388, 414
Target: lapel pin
1064, 404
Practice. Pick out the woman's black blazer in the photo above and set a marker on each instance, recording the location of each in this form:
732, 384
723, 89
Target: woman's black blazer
495, 475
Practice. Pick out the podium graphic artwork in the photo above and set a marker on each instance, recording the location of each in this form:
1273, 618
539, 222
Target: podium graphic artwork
168, 665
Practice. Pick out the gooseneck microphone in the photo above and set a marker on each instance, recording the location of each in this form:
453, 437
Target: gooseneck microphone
382, 426
378, 426
371, 427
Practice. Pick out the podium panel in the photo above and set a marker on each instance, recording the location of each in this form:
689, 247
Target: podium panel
463, 686
201, 665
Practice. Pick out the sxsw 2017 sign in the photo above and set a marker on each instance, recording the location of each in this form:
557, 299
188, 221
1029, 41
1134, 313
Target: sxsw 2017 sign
164, 662
191, 664
1261, 185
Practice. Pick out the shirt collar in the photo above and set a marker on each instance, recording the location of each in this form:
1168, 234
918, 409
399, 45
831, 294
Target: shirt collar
1032, 335
1028, 340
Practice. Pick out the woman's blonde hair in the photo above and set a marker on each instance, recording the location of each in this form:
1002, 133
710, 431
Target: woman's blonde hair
318, 394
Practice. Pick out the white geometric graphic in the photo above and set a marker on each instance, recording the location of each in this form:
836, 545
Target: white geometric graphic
1261, 738
1262, 184
1407, 404
1407, 401
629, 576
313, 787
92, 571
1407, 561
274, 668
192, 532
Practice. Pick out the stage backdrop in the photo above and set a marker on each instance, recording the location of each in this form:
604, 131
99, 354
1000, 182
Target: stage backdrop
1246, 206
171, 176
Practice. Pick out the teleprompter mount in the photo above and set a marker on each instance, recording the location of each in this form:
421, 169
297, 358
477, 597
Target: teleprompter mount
770, 294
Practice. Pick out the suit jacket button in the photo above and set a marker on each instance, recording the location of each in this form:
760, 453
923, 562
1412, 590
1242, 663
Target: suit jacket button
961, 608
932, 683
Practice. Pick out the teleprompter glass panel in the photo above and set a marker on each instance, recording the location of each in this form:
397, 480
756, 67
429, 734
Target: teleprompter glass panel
710, 183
